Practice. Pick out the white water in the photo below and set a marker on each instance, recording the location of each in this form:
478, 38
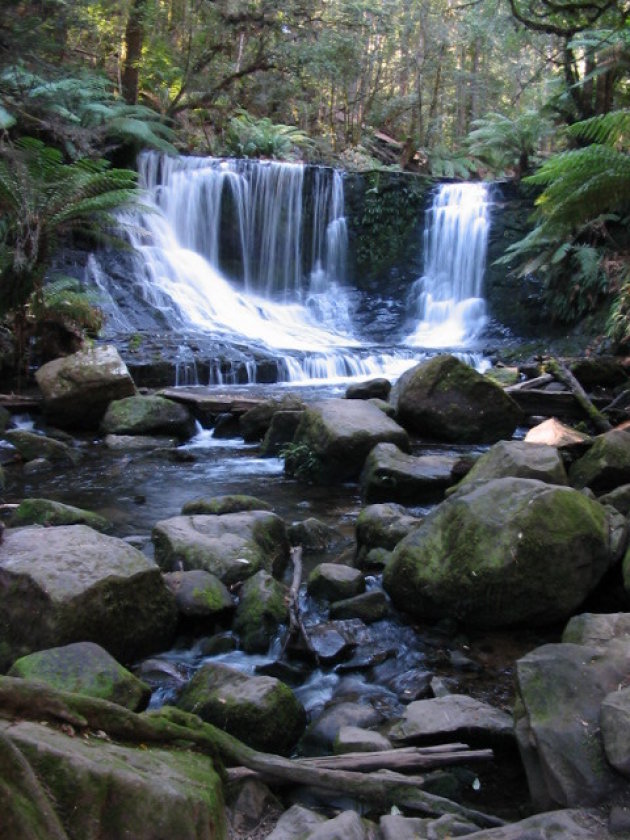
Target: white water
448, 298
255, 253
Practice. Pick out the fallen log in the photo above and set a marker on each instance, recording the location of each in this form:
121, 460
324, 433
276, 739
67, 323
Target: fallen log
560, 404
296, 625
404, 758
34, 701
564, 375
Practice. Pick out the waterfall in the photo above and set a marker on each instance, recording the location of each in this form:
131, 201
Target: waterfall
447, 299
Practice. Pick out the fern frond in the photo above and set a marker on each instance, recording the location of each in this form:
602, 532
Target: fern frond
612, 129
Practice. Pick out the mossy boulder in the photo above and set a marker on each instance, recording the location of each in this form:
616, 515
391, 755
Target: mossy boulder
511, 550
199, 594
520, 460
378, 388
382, 526
218, 505
263, 606
446, 399
233, 546
606, 465
390, 475
559, 693
255, 422
368, 606
71, 583
148, 415
281, 431
334, 438
84, 668
313, 535
49, 512
77, 389
89, 788
260, 711
31, 446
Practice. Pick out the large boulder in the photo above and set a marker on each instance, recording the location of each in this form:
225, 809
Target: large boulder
335, 436
148, 415
606, 465
255, 422
77, 389
511, 550
615, 720
199, 594
448, 400
68, 788
260, 711
520, 460
559, 693
334, 582
390, 475
382, 526
49, 512
233, 546
84, 668
32, 446
69, 584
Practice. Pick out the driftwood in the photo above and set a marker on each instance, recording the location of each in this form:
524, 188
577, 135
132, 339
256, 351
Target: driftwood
405, 758
529, 384
37, 701
564, 375
296, 625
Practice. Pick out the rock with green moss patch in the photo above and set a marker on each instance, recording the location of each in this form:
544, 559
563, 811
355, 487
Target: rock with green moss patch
148, 415
33, 446
390, 475
255, 422
313, 535
446, 399
70, 583
368, 606
262, 608
334, 438
382, 526
520, 460
509, 551
49, 512
559, 693
110, 791
199, 594
233, 546
84, 668
218, 505
281, 431
606, 465
261, 711
77, 389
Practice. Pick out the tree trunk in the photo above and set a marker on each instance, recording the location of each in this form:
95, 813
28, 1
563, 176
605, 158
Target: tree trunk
134, 37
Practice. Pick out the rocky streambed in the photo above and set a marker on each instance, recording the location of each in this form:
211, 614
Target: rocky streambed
441, 650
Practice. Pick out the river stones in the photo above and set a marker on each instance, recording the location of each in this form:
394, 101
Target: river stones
77, 389
559, 693
378, 388
334, 438
84, 668
382, 526
615, 722
148, 415
32, 446
262, 608
108, 790
520, 460
233, 546
296, 822
510, 550
49, 512
390, 475
260, 711
446, 399
356, 739
312, 535
255, 422
368, 606
554, 433
70, 583
218, 505
334, 582
199, 594
606, 465
281, 431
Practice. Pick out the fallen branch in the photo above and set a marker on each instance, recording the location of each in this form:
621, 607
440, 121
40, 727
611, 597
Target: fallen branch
564, 375
296, 625
405, 758
34, 701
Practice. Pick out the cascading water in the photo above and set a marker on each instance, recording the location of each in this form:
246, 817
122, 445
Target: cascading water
448, 297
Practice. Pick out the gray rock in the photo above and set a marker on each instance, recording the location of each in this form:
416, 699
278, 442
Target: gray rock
33, 446
356, 739
595, 630
281, 431
520, 460
251, 804
199, 594
615, 721
347, 826
560, 689
446, 399
312, 535
260, 711
397, 827
233, 546
148, 415
48, 512
77, 389
70, 583
84, 668
219, 505
296, 824
390, 475
553, 825
368, 606
606, 465
255, 422
329, 643
139, 443
334, 582
378, 388
510, 550
324, 729
335, 436
619, 498
382, 526
454, 716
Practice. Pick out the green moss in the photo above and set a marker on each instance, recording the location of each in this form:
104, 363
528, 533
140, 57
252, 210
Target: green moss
48, 512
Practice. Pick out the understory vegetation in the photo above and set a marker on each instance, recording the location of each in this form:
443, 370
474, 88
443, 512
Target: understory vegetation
523, 89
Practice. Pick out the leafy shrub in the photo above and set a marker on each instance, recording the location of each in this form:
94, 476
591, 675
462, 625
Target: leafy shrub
249, 136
